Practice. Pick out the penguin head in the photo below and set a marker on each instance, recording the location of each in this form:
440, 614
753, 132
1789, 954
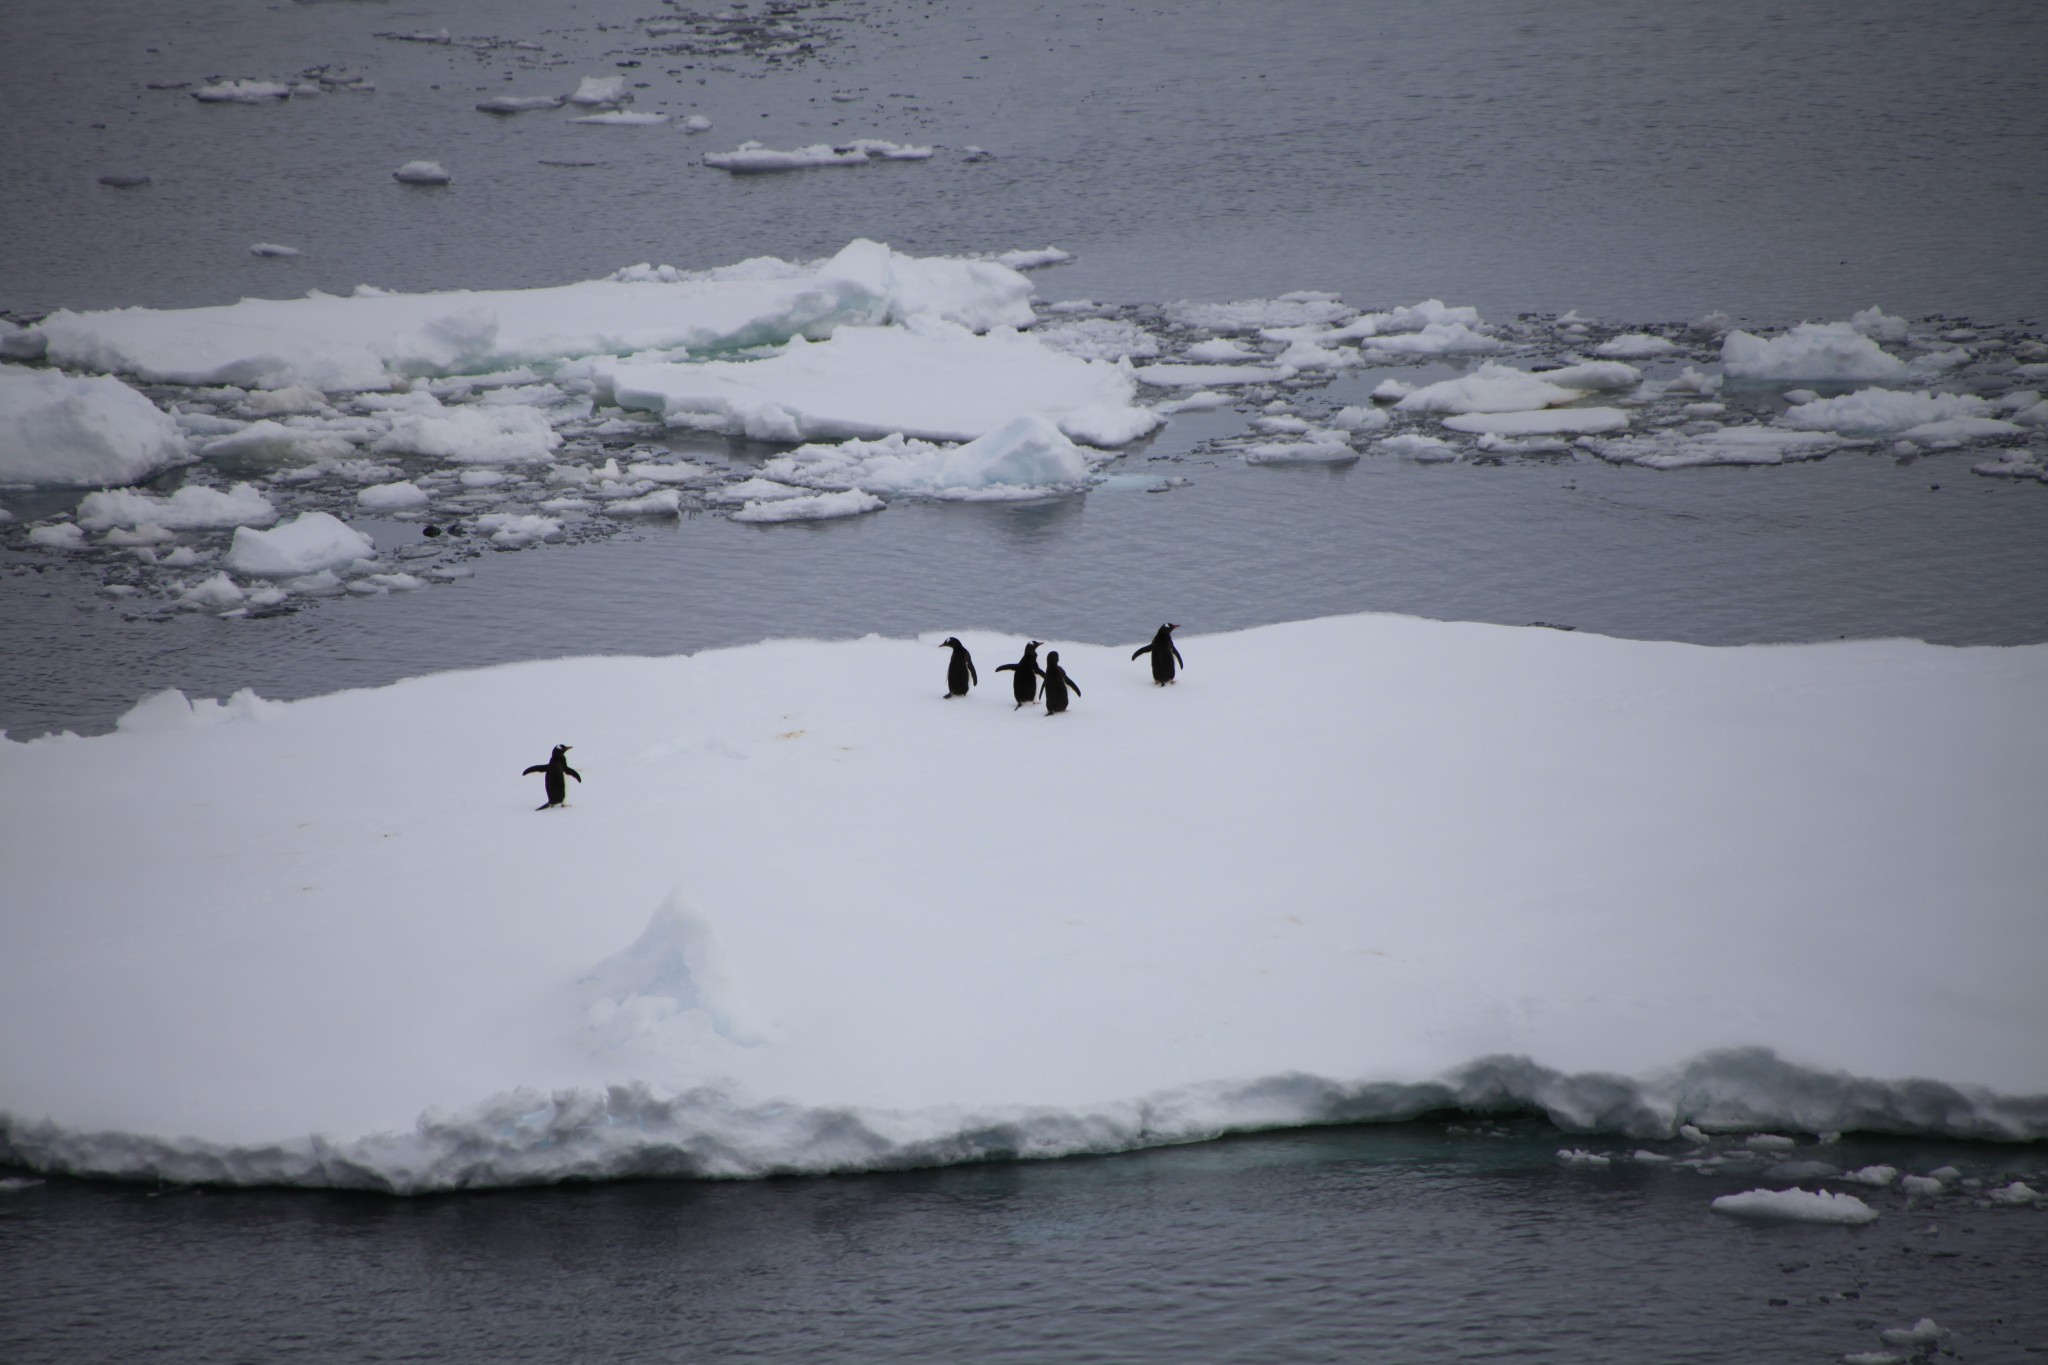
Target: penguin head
951, 642
1171, 626
1052, 657
561, 749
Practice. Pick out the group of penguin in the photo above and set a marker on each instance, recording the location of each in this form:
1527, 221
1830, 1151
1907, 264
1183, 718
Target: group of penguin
1030, 681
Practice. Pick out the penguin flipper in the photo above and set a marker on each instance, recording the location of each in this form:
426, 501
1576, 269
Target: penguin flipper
536, 768
1073, 687
973, 676
1006, 668
573, 773
1177, 659
1141, 649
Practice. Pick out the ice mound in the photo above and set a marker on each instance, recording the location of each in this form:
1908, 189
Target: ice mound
1098, 339
1208, 376
752, 157
273, 249
1413, 318
1635, 346
242, 92
191, 508
81, 430
518, 104
59, 536
1796, 1206
1253, 315
269, 440
810, 507
422, 173
623, 119
594, 91
476, 433
1553, 422
515, 530
1316, 446
1027, 457
1437, 338
1413, 445
931, 379
402, 496
369, 340
306, 544
1882, 412
1721, 446
1829, 352
1490, 388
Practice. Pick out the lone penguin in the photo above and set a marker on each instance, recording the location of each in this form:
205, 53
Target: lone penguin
1024, 687
960, 674
1165, 654
1057, 685
551, 773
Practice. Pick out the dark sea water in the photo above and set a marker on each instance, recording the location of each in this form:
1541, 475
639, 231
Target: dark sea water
1640, 162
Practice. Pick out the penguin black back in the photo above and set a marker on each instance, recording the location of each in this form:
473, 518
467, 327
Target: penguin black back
551, 773
960, 674
1024, 686
1165, 654
1057, 685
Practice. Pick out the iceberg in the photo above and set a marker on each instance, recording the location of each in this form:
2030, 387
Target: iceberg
1679, 865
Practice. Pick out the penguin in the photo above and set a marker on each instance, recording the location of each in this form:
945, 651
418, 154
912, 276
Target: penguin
1057, 685
960, 674
551, 773
1165, 654
1024, 687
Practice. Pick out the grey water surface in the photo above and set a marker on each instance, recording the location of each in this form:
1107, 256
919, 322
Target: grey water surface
1640, 162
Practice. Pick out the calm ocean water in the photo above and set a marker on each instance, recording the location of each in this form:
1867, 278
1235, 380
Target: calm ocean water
1641, 163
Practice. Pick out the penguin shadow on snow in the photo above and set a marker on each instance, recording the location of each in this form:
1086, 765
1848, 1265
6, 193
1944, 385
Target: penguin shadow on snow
552, 772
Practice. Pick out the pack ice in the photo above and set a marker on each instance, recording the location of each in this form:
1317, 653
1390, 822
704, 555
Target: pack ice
799, 916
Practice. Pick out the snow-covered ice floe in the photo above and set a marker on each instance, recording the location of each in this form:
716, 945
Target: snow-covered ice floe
329, 978
753, 157
1796, 1206
1027, 457
81, 431
372, 338
1672, 449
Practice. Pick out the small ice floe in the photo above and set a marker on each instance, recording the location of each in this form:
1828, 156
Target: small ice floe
439, 37
267, 440
1693, 1135
403, 496
512, 530
1359, 418
1885, 412
1528, 445
1201, 400
1690, 380
662, 502
1207, 376
810, 507
1879, 1176
753, 157
67, 430
1594, 376
1446, 338
1316, 446
518, 104
623, 119
681, 472
1925, 1332
1875, 1358
125, 182
1796, 1206
976, 154
1026, 457
63, 535
1578, 1156
124, 538
289, 401
1769, 1142
15, 1184
696, 123
1220, 351
377, 584
1490, 388
1878, 325
2019, 464
1920, 1186
1946, 1173
242, 92
308, 543
1724, 446
1834, 352
191, 508
1035, 260
1649, 1158
2018, 1192
1415, 446
1302, 309
756, 489
595, 91
1550, 422
421, 173
472, 433
1110, 339
1392, 391
218, 593
1635, 346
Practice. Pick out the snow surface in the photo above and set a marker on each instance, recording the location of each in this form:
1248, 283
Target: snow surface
81, 430
784, 925
1796, 1206
373, 338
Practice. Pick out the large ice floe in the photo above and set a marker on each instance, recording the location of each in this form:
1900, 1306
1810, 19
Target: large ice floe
81, 430
791, 922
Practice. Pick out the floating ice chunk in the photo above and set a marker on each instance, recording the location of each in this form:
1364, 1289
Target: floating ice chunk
421, 173
306, 544
1280, 424
1415, 446
2018, 1192
1595, 376
754, 490
145, 534
1317, 446
2019, 464
1958, 430
1873, 1175
1027, 457
1551, 422
1921, 1185
931, 379
696, 123
1035, 260
1649, 1158
184, 557
1725, 446
268, 440
811, 507
1359, 418
512, 530
191, 508
1490, 388
1579, 1156
1796, 1206
684, 472
1691, 380
217, 593
1098, 339
1202, 376
1252, 315
1769, 1142
623, 119
481, 478
598, 90
81, 430
63, 535
171, 709
472, 434
1876, 324
518, 104
321, 584
1635, 346
241, 92
1875, 1358
754, 158
1882, 412
1438, 338
1201, 400
403, 496
662, 502
1834, 352
1415, 318
273, 249
1221, 351
1922, 1333
291, 400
